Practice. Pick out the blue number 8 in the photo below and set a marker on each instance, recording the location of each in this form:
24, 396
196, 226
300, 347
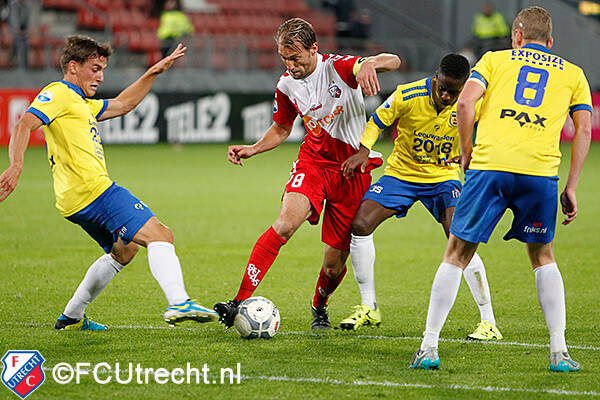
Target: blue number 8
539, 87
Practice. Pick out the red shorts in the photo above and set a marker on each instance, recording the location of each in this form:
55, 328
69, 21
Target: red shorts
343, 199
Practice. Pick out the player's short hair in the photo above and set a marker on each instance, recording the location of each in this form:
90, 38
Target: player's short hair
535, 24
455, 66
80, 48
296, 30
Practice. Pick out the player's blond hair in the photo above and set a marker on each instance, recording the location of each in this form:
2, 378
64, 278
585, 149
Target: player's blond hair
296, 30
80, 48
535, 24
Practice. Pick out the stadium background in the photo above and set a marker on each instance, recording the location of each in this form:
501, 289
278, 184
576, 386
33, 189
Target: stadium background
223, 90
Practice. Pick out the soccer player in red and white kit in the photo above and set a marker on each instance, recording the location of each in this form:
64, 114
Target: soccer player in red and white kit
324, 90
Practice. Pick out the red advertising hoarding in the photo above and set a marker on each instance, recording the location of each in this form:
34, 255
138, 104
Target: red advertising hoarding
13, 103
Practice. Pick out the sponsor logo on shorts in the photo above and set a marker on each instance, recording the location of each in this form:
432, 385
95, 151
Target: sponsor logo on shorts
122, 231
455, 193
535, 227
140, 205
376, 189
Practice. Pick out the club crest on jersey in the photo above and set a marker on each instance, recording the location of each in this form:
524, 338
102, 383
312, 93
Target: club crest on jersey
335, 91
45, 96
452, 121
23, 371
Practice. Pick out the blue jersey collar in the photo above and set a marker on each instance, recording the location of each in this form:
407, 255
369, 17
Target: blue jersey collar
75, 88
538, 47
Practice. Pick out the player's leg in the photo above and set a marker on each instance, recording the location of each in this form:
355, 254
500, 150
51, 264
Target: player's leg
551, 296
479, 197
443, 294
331, 275
98, 276
166, 269
295, 209
343, 200
362, 254
476, 278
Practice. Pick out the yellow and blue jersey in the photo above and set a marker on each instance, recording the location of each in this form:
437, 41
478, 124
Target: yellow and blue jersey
74, 146
427, 135
528, 93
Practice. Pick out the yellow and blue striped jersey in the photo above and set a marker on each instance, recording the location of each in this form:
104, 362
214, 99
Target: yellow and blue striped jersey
528, 93
73, 143
427, 135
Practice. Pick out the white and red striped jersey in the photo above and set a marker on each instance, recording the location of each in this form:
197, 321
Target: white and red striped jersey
331, 104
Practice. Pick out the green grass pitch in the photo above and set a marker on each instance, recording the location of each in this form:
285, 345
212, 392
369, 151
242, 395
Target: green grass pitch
217, 211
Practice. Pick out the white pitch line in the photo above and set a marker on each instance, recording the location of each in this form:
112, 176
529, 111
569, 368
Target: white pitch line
348, 334
386, 383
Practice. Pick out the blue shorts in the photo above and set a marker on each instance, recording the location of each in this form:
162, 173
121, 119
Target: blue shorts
116, 213
400, 195
486, 196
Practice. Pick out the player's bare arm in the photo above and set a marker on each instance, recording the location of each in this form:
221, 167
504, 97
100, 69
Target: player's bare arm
582, 120
129, 98
367, 76
16, 153
465, 114
275, 135
359, 159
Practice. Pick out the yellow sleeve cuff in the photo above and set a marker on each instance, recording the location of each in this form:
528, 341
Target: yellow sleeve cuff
371, 134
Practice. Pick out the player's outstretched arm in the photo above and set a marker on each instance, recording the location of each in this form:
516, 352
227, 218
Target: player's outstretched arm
367, 75
465, 115
274, 136
16, 153
129, 98
582, 120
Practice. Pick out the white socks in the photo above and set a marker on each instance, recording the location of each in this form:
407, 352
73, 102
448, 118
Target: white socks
96, 279
551, 295
362, 255
477, 280
443, 294
166, 269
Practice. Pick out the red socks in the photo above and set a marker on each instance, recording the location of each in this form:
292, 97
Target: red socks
325, 287
262, 257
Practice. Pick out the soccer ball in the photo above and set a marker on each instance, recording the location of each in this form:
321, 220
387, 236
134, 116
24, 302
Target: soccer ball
257, 318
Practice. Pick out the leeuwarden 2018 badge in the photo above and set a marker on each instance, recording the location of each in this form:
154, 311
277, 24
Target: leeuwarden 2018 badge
23, 371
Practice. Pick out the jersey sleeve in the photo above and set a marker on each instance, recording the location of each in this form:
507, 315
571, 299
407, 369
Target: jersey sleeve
49, 104
284, 112
482, 71
582, 97
97, 106
384, 117
345, 67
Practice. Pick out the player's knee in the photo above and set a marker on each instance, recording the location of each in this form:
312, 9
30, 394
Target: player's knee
361, 226
124, 255
333, 271
162, 233
284, 228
